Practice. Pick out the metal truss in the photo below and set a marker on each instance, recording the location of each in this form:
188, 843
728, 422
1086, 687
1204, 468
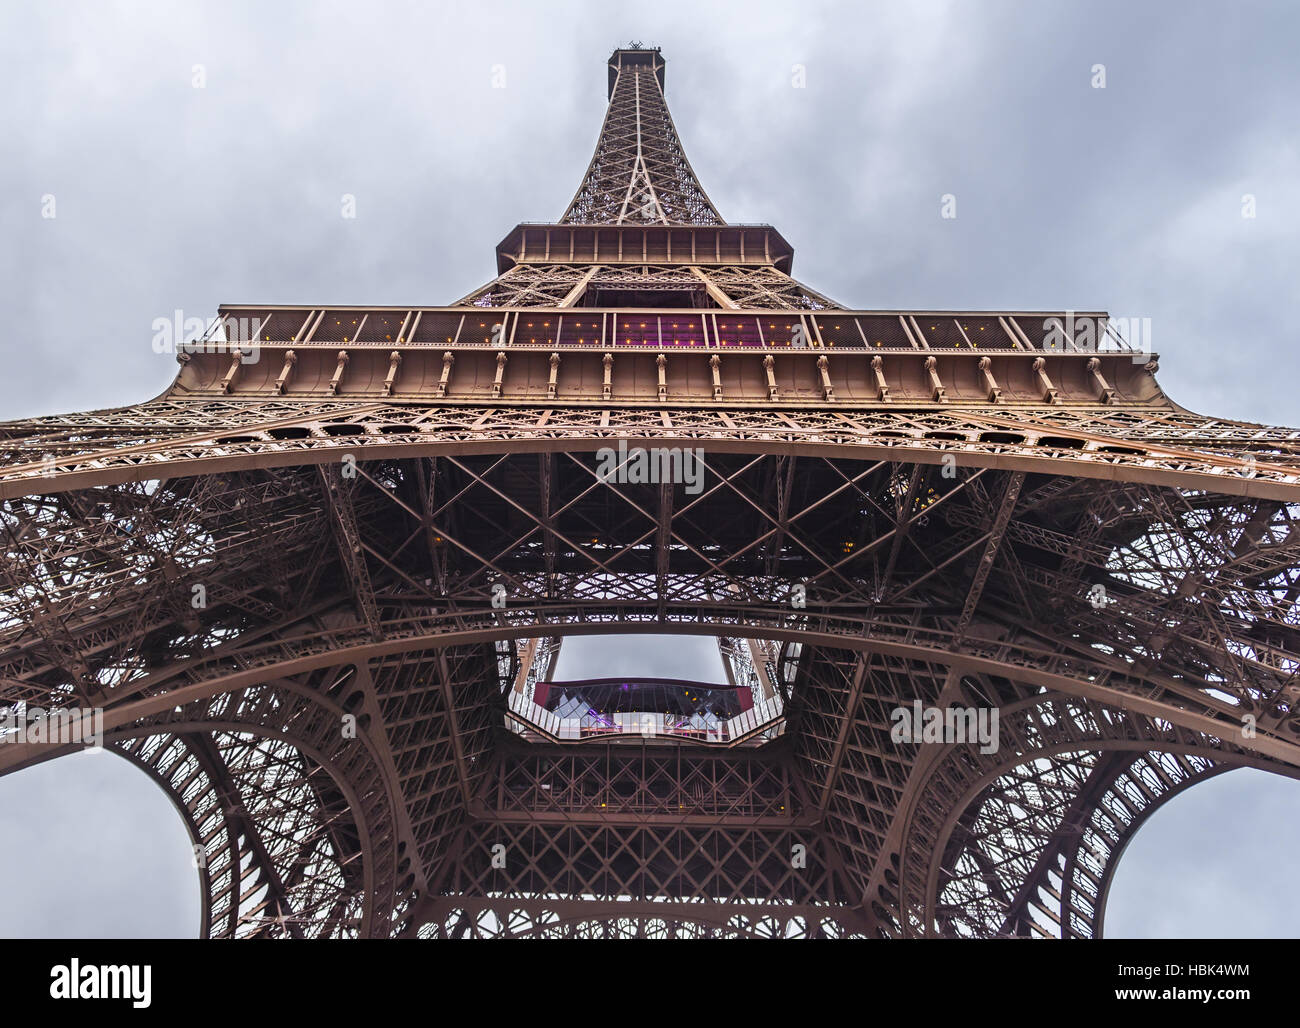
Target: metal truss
1157, 446
639, 171
890, 555
546, 286
307, 596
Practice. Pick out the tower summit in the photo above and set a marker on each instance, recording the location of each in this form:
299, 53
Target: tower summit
639, 172
984, 595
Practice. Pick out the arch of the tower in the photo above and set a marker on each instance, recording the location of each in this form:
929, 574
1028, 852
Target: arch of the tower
580, 831
292, 826
329, 705
1079, 779
170, 439
1116, 763
174, 439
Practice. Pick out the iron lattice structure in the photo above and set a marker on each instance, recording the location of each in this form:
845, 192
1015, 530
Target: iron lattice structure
396, 515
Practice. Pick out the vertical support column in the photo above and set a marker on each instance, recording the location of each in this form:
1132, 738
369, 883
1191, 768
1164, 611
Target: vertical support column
769, 365
823, 365
1107, 393
527, 654
448, 359
394, 359
937, 394
232, 370
990, 383
1045, 383
501, 371
290, 359
338, 372
882, 389
758, 657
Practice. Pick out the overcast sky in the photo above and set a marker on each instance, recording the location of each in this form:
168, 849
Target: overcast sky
178, 187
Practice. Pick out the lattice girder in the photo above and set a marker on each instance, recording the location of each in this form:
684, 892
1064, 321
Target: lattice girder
639, 171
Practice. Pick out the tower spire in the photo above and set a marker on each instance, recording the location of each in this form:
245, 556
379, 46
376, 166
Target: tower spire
639, 173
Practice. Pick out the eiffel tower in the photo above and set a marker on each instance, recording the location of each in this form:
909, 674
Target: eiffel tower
318, 587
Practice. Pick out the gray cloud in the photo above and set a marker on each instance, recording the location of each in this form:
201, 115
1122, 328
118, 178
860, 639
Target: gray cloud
690, 657
90, 847
1204, 865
